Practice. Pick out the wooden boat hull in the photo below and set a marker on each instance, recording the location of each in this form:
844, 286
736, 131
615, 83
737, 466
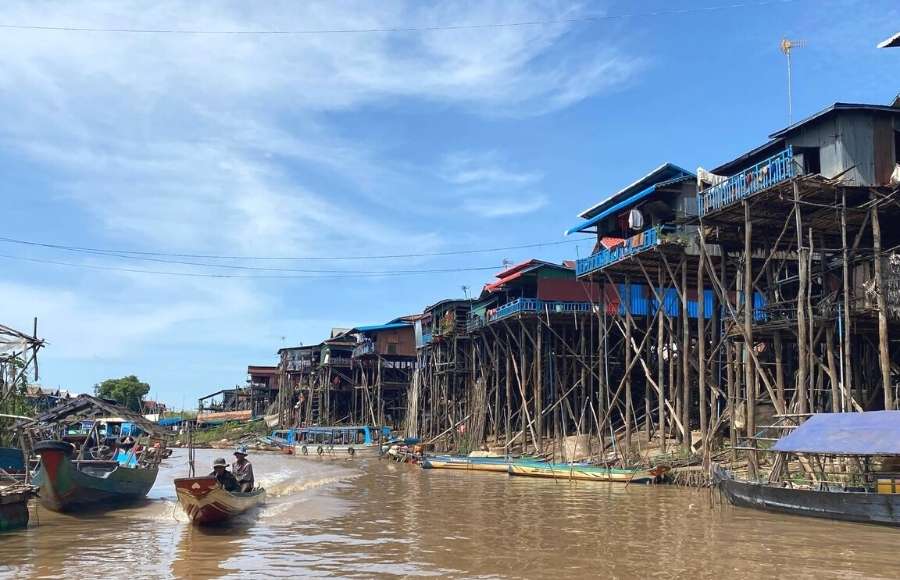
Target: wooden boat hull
67, 485
583, 472
872, 508
465, 463
13, 509
206, 503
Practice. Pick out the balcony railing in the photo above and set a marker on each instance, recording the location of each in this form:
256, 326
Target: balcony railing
631, 246
763, 175
363, 348
531, 305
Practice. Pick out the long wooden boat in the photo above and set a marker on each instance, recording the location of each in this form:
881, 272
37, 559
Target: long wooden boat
206, 503
467, 463
67, 484
14, 506
584, 472
852, 506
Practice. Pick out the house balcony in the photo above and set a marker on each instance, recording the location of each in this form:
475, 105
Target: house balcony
772, 171
363, 348
520, 305
630, 247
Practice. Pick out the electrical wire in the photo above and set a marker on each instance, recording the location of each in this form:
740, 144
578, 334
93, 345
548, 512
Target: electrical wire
327, 274
395, 29
129, 253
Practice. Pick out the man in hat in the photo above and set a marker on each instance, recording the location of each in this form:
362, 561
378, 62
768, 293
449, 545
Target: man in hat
242, 469
225, 478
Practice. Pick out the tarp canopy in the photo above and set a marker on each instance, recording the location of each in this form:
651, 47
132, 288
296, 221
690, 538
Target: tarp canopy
870, 433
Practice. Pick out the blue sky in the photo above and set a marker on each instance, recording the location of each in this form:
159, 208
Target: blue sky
356, 144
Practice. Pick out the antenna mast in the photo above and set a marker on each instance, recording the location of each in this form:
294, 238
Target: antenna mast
786, 47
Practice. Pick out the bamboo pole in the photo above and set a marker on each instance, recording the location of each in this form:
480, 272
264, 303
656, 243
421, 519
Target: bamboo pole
749, 387
883, 352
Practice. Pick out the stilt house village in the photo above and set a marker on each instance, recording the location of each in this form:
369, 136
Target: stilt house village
718, 309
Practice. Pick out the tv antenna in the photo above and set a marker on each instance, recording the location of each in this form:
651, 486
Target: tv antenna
465, 290
787, 46
507, 263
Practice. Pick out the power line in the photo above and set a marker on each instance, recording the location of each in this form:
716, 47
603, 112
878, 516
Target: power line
388, 273
129, 253
394, 29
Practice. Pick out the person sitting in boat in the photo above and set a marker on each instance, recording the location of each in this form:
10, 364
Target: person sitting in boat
242, 469
225, 478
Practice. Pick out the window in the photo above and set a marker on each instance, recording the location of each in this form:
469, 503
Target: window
896, 146
812, 163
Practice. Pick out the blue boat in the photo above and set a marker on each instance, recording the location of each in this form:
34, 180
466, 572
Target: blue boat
334, 439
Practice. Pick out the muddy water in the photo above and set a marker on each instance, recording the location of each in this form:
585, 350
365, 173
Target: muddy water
355, 518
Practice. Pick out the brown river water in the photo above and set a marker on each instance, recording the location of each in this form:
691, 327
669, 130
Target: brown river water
371, 518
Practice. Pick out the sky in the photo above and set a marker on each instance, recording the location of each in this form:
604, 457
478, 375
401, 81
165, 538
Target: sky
445, 136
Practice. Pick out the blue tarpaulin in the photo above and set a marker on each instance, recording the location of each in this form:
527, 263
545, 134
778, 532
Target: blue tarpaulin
870, 433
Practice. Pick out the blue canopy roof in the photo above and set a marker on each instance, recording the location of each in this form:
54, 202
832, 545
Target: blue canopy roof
377, 327
663, 176
870, 433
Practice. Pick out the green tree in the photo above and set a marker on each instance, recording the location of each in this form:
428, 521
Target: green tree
127, 391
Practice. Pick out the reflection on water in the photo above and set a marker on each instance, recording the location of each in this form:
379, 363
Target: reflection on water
351, 518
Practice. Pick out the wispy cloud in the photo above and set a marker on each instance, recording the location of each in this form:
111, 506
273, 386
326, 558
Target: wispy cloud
489, 187
235, 144
503, 206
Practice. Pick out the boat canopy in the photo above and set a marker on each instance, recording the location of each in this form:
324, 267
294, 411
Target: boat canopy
869, 433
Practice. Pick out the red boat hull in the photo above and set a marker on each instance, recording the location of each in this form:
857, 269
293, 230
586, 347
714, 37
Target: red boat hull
206, 503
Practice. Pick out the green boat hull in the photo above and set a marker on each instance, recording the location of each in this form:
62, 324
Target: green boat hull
67, 485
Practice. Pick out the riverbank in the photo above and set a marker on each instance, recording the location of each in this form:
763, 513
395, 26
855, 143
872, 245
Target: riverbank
226, 435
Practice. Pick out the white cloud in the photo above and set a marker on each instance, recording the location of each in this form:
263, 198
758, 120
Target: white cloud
234, 143
503, 206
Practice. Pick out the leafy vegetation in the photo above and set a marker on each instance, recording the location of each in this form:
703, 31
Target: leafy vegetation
127, 391
232, 431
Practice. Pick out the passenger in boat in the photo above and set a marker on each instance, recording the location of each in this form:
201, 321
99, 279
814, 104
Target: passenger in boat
242, 469
225, 478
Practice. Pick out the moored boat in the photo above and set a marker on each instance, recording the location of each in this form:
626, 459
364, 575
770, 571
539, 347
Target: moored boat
584, 472
469, 463
207, 503
836, 504
849, 471
339, 440
68, 484
14, 506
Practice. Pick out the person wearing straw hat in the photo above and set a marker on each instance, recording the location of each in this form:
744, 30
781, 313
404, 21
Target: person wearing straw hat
225, 478
242, 469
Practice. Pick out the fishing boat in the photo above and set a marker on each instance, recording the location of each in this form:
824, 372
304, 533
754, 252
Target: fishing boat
92, 471
583, 472
338, 440
469, 463
207, 503
69, 484
865, 487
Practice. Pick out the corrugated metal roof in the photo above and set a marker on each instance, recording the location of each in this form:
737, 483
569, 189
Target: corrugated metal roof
776, 139
377, 327
603, 210
892, 42
659, 175
832, 109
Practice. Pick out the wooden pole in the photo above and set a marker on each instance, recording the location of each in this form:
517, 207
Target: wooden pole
685, 362
883, 352
660, 366
749, 381
802, 328
701, 353
847, 377
629, 323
